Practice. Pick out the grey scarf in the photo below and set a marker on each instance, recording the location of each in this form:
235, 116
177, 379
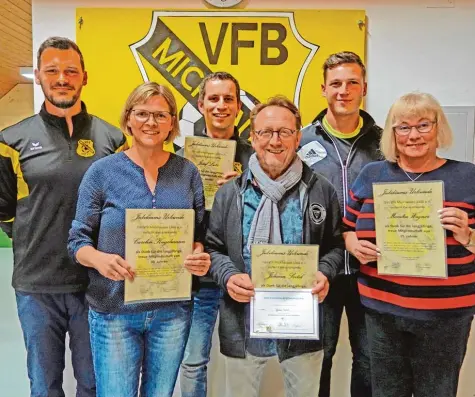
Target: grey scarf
265, 226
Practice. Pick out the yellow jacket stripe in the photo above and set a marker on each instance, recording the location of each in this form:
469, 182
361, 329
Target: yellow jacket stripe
14, 156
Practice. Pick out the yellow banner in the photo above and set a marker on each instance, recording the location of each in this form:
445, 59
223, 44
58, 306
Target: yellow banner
269, 52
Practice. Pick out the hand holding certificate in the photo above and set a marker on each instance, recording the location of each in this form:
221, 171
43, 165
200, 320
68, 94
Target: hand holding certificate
408, 229
213, 158
283, 305
284, 313
157, 243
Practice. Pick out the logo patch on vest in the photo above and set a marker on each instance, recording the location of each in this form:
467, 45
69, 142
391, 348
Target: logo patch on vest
318, 213
85, 148
312, 153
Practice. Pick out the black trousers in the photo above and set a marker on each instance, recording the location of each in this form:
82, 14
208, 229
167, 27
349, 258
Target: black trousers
413, 357
344, 294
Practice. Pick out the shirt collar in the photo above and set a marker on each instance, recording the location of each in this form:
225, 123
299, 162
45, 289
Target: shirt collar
80, 120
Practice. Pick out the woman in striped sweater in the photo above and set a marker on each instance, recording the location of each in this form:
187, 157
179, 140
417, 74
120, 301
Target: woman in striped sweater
417, 327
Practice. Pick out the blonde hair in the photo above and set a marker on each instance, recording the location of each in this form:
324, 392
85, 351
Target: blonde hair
142, 94
414, 104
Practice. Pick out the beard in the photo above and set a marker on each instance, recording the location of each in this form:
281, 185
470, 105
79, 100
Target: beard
58, 101
275, 169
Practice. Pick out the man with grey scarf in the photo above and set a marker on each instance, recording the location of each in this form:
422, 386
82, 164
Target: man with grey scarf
278, 200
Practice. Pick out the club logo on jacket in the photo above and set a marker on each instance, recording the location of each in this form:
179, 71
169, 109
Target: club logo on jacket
318, 213
85, 148
237, 167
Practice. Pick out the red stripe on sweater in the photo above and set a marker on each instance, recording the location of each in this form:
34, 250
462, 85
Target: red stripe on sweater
417, 303
419, 281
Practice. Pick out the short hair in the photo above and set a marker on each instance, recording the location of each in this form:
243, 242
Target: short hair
142, 94
60, 43
414, 104
279, 101
341, 58
223, 76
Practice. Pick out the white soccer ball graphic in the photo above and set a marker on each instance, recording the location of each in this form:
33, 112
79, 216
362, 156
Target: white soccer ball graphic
191, 121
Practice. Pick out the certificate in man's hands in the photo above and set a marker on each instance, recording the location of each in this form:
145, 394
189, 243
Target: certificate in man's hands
284, 314
283, 306
213, 158
157, 242
284, 266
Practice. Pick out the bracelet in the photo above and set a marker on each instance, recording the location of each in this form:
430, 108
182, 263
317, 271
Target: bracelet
469, 244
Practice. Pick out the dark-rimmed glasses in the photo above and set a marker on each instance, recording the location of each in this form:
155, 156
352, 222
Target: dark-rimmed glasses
282, 133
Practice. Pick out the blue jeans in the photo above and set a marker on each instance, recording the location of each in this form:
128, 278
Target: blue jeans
146, 346
193, 375
344, 294
414, 357
45, 319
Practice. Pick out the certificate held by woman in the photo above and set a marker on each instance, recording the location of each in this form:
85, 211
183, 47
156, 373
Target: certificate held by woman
157, 241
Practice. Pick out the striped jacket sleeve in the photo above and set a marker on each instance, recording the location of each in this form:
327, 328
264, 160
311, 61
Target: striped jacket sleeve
356, 198
8, 186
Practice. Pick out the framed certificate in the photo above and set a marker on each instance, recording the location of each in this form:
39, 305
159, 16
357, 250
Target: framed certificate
408, 229
284, 314
157, 242
213, 158
283, 305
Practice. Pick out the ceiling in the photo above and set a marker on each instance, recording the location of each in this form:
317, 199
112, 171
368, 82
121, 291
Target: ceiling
15, 42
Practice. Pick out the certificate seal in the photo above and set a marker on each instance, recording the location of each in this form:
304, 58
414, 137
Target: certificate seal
318, 213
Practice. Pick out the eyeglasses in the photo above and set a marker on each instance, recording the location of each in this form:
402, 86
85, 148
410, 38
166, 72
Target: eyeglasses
282, 133
142, 116
423, 127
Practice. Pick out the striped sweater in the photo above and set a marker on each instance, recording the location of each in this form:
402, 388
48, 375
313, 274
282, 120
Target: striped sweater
416, 297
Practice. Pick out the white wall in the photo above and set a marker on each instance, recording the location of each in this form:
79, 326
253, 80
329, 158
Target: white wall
409, 47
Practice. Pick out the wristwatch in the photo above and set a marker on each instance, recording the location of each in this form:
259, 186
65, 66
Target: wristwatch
470, 242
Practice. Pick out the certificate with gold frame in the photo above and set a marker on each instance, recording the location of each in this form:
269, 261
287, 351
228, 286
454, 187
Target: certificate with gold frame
213, 158
409, 233
156, 244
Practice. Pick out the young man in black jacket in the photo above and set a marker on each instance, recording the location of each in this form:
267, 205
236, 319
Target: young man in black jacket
278, 200
338, 143
219, 102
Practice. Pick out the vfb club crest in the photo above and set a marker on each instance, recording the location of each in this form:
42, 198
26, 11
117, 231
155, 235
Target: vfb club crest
167, 52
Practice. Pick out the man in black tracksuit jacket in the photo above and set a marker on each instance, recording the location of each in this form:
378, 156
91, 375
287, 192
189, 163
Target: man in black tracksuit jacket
339, 142
42, 161
220, 103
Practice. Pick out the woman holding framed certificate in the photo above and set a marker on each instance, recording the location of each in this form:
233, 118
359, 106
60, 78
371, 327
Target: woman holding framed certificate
144, 340
408, 223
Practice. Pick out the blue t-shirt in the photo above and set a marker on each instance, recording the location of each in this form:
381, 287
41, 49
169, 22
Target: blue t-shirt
291, 226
